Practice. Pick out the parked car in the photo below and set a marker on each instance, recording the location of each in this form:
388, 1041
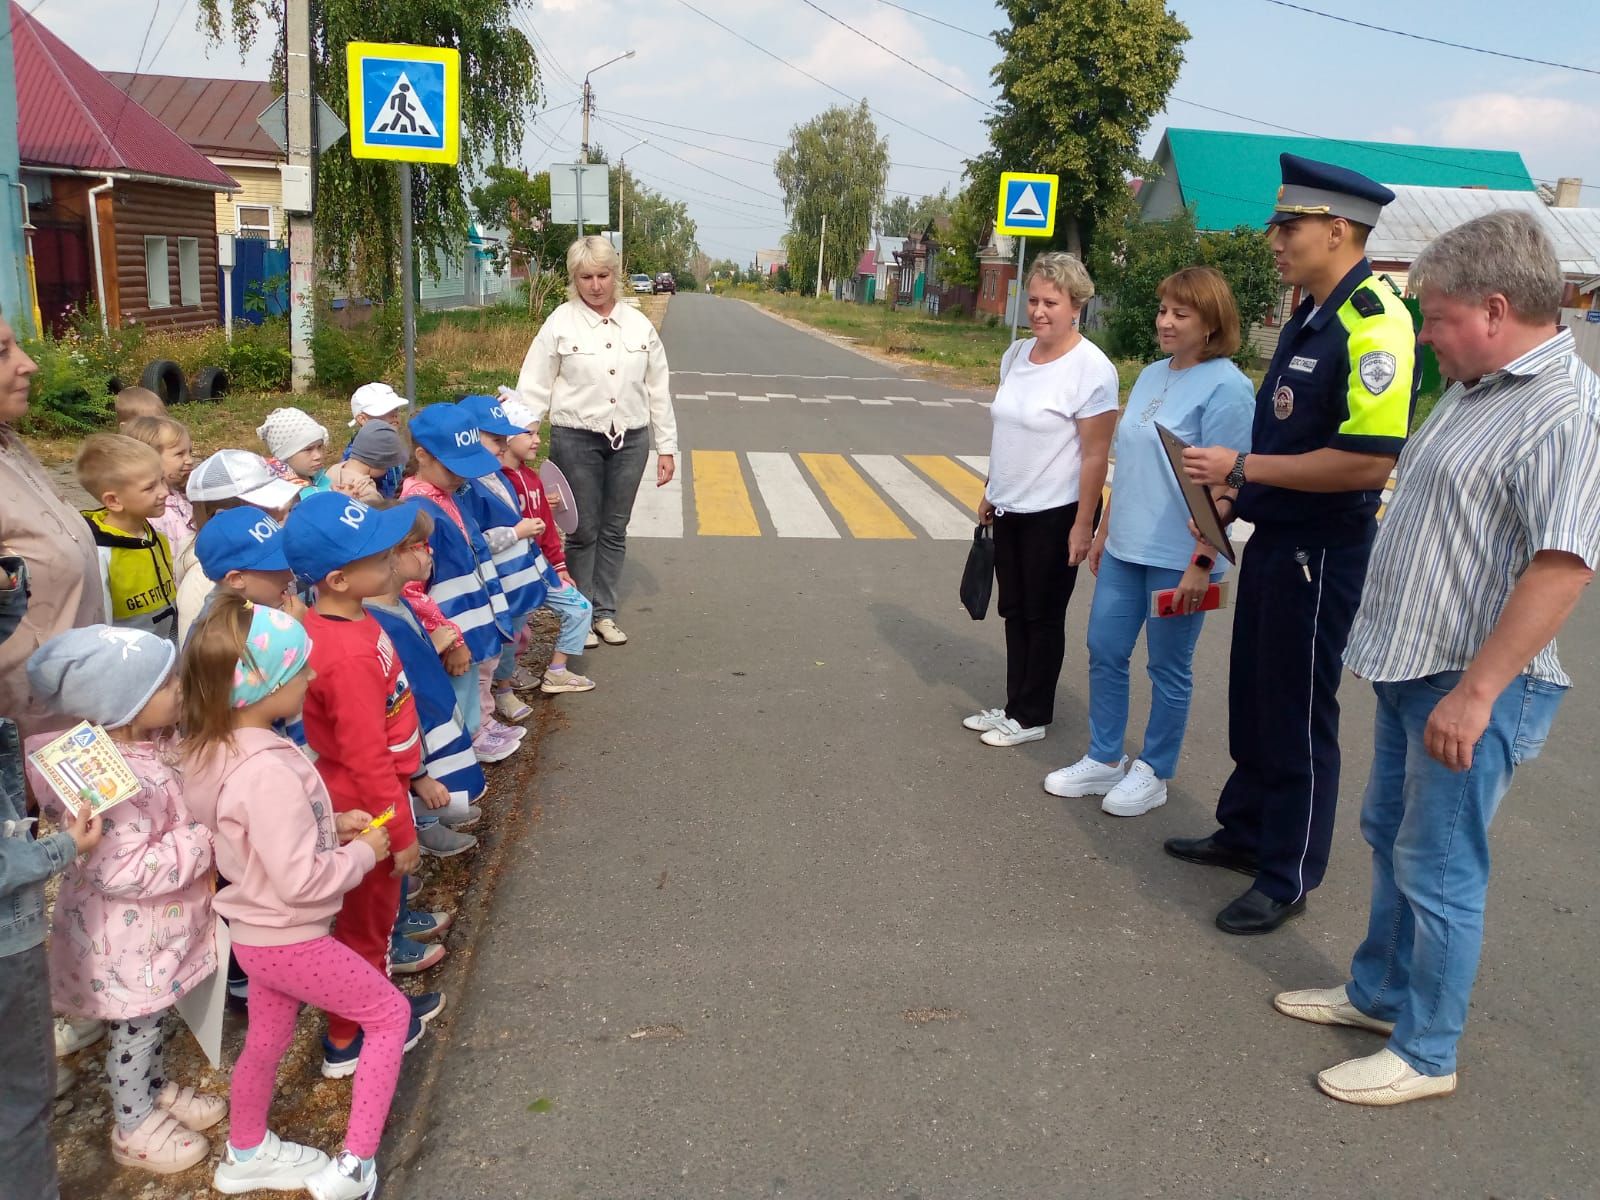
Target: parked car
642, 285
666, 282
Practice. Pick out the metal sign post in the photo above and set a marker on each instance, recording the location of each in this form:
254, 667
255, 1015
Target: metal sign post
405, 106
1020, 298
1026, 208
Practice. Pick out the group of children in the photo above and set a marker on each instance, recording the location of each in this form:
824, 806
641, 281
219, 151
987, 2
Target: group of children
306, 669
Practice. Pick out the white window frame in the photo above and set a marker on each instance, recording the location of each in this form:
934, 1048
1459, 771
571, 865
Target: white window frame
251, 229
155, 256
189, 272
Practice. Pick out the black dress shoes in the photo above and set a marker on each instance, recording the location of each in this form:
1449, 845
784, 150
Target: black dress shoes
1257, 912
1207, 853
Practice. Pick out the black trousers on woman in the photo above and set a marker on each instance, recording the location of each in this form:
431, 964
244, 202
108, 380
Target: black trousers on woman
1035, 584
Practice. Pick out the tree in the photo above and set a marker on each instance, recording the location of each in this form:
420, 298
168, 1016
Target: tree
902, 216
1079, 84
357, 216
836, 164
970, 218
1128, 271
657, 233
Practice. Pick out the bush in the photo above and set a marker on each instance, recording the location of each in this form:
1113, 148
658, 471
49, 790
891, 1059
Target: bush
259, 359
344, 359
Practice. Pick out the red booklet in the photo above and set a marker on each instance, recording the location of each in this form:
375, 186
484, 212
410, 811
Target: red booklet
1217, 596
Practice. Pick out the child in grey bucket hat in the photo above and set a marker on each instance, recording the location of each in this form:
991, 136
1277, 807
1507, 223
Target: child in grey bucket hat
101, 673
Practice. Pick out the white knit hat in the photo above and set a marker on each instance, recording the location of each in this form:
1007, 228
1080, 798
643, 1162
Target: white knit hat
288, 431
515, 410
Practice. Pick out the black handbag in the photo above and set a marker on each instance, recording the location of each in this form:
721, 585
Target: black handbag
977, 579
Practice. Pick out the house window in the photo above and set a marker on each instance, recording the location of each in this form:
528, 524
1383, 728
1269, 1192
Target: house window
157, 275
188, 272
253, 220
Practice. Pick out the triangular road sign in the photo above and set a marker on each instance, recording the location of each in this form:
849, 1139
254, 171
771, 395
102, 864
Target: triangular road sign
1027, 207
403, 113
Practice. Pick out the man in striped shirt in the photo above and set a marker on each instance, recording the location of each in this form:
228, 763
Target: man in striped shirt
1493, 534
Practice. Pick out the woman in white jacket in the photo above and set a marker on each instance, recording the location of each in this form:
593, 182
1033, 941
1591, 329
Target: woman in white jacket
598, 370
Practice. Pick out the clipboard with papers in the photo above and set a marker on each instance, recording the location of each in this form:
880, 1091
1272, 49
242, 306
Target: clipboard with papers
1202, 508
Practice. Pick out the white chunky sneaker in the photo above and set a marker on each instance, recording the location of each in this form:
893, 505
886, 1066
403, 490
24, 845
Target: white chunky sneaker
343, 1178
1382, 1079
1007, 732
276, 1166
1328, 1006
981, 722
1086, 777
1138, 792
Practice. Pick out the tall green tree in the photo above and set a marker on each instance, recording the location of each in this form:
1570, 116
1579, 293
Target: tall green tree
658, 234
1079, 84
970, 217
903, 216
836, 164
357, 216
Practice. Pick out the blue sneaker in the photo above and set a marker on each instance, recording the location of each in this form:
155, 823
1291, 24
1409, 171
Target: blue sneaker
337, 1063
426, 1007
422, 926
407, 957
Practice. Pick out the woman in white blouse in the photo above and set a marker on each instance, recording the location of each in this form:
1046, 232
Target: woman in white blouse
598, 369
1053, 418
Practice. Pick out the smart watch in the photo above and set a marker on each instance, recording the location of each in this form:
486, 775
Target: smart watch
1236, 476
1204, 561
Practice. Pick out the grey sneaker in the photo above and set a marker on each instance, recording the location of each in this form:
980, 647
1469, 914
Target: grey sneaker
440, 841
462, 820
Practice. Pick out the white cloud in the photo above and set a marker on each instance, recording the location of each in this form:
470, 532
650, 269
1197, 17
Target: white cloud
1506, 120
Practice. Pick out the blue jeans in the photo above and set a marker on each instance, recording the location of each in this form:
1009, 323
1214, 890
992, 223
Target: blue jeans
1121, 608
468, 698
1428, 827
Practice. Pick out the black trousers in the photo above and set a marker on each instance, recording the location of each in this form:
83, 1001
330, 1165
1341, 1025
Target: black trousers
1289, 634
1035, 584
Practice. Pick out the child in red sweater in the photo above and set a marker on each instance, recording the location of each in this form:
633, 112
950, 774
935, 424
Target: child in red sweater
360, 717
568, 602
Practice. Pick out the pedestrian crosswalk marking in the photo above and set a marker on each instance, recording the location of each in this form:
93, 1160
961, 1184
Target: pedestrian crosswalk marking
958, 481
863, 512
978, 462
794, 510
926, 507
658, 511
721, 499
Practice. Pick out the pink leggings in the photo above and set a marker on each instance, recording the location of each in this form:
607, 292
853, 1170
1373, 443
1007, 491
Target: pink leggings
330, 976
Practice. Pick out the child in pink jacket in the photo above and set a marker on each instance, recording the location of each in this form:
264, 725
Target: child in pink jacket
133, 924
279, 845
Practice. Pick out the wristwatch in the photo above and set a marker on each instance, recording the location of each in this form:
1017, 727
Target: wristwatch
1236, 476
1204, 561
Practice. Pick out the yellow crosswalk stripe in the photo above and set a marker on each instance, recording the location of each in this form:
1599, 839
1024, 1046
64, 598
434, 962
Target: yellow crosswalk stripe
951, 476
864, 513
721, 499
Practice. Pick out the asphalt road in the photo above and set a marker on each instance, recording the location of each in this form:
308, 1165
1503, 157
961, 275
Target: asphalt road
785, 929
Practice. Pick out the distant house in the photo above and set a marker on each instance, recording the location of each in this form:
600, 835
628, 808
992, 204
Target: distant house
124, 209
468, 278
997, 271
218, 118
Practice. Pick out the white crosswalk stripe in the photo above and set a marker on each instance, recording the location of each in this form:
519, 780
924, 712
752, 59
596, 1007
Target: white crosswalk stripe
794, 509
658, 511
978, 462
926, 507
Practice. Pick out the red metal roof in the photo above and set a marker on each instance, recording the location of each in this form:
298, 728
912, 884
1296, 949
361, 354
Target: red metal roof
215, 116
69, 115
868, 264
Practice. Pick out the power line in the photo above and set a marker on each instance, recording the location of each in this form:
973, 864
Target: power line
644, 133
895, 54
922, 16
559, 131
11, 26
182, 8
138, 61
822, 82
734, 137
758, 208
1420, 37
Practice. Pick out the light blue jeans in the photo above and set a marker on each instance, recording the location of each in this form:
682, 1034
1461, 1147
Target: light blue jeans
1121, 609
1428, 827
576, 617
468, 698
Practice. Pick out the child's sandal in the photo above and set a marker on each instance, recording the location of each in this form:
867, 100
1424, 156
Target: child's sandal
191, 1109
160, 1145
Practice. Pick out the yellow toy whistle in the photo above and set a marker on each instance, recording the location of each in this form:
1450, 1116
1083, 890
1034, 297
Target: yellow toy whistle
382, 819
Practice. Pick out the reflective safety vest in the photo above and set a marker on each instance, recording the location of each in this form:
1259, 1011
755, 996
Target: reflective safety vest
521, 566
464, 584
447, 754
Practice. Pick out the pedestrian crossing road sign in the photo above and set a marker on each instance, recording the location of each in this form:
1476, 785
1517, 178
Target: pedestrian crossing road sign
1027, 204
405, 102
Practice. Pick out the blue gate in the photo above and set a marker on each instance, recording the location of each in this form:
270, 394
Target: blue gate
261, 269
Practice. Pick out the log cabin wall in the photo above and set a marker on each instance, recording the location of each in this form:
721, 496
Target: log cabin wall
150, 210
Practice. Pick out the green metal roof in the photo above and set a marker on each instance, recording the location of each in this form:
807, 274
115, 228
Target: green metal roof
1231, 178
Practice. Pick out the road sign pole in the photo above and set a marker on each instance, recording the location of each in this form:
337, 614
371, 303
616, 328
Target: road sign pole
302, 154
408, 310
1016, 305
822, 248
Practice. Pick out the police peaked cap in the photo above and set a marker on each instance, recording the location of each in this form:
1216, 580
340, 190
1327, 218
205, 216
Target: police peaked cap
1318, 189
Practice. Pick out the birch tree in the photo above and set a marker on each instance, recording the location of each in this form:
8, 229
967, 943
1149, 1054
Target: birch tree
836, 164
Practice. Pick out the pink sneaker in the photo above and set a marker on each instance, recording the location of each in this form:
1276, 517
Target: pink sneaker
193, 1110
491, 747
160, 1145
500, 727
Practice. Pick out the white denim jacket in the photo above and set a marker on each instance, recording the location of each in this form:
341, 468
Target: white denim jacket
603, 374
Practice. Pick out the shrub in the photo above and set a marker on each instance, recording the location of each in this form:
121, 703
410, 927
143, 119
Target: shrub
259, 359
344, 359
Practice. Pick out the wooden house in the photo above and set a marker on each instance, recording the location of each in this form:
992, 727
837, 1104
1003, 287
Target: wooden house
124, 209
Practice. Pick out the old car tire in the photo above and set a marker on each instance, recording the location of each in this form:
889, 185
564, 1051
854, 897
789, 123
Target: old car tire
165, 378
211, 384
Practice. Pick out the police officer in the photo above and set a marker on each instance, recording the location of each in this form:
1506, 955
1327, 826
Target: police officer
1331, 417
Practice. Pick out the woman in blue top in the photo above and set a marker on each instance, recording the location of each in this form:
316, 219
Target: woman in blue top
1144, 545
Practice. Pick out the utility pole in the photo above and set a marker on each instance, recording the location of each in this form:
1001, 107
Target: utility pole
300, 125
583, 152
822, 246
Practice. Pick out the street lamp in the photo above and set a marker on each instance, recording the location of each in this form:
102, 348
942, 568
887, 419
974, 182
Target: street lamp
622, 199
588, 99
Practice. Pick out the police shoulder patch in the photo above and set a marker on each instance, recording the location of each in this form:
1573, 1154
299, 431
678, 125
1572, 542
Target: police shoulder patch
1377, 370
1366, 302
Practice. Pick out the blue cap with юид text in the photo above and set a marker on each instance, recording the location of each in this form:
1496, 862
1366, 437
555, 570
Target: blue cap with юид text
328, 531
450, 434
240, 539
486, 413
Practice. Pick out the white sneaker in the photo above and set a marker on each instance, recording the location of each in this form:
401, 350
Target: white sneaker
343, 1179
609, 633
73, 1035
1007, 732
1328, 1006
981, 722
1086, 777
1138, 792
276, 1166
1382, 1079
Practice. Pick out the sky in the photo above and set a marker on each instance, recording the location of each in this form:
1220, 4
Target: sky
706, 103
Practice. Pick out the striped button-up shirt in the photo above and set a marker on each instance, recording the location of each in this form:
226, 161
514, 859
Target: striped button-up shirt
1502, 469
